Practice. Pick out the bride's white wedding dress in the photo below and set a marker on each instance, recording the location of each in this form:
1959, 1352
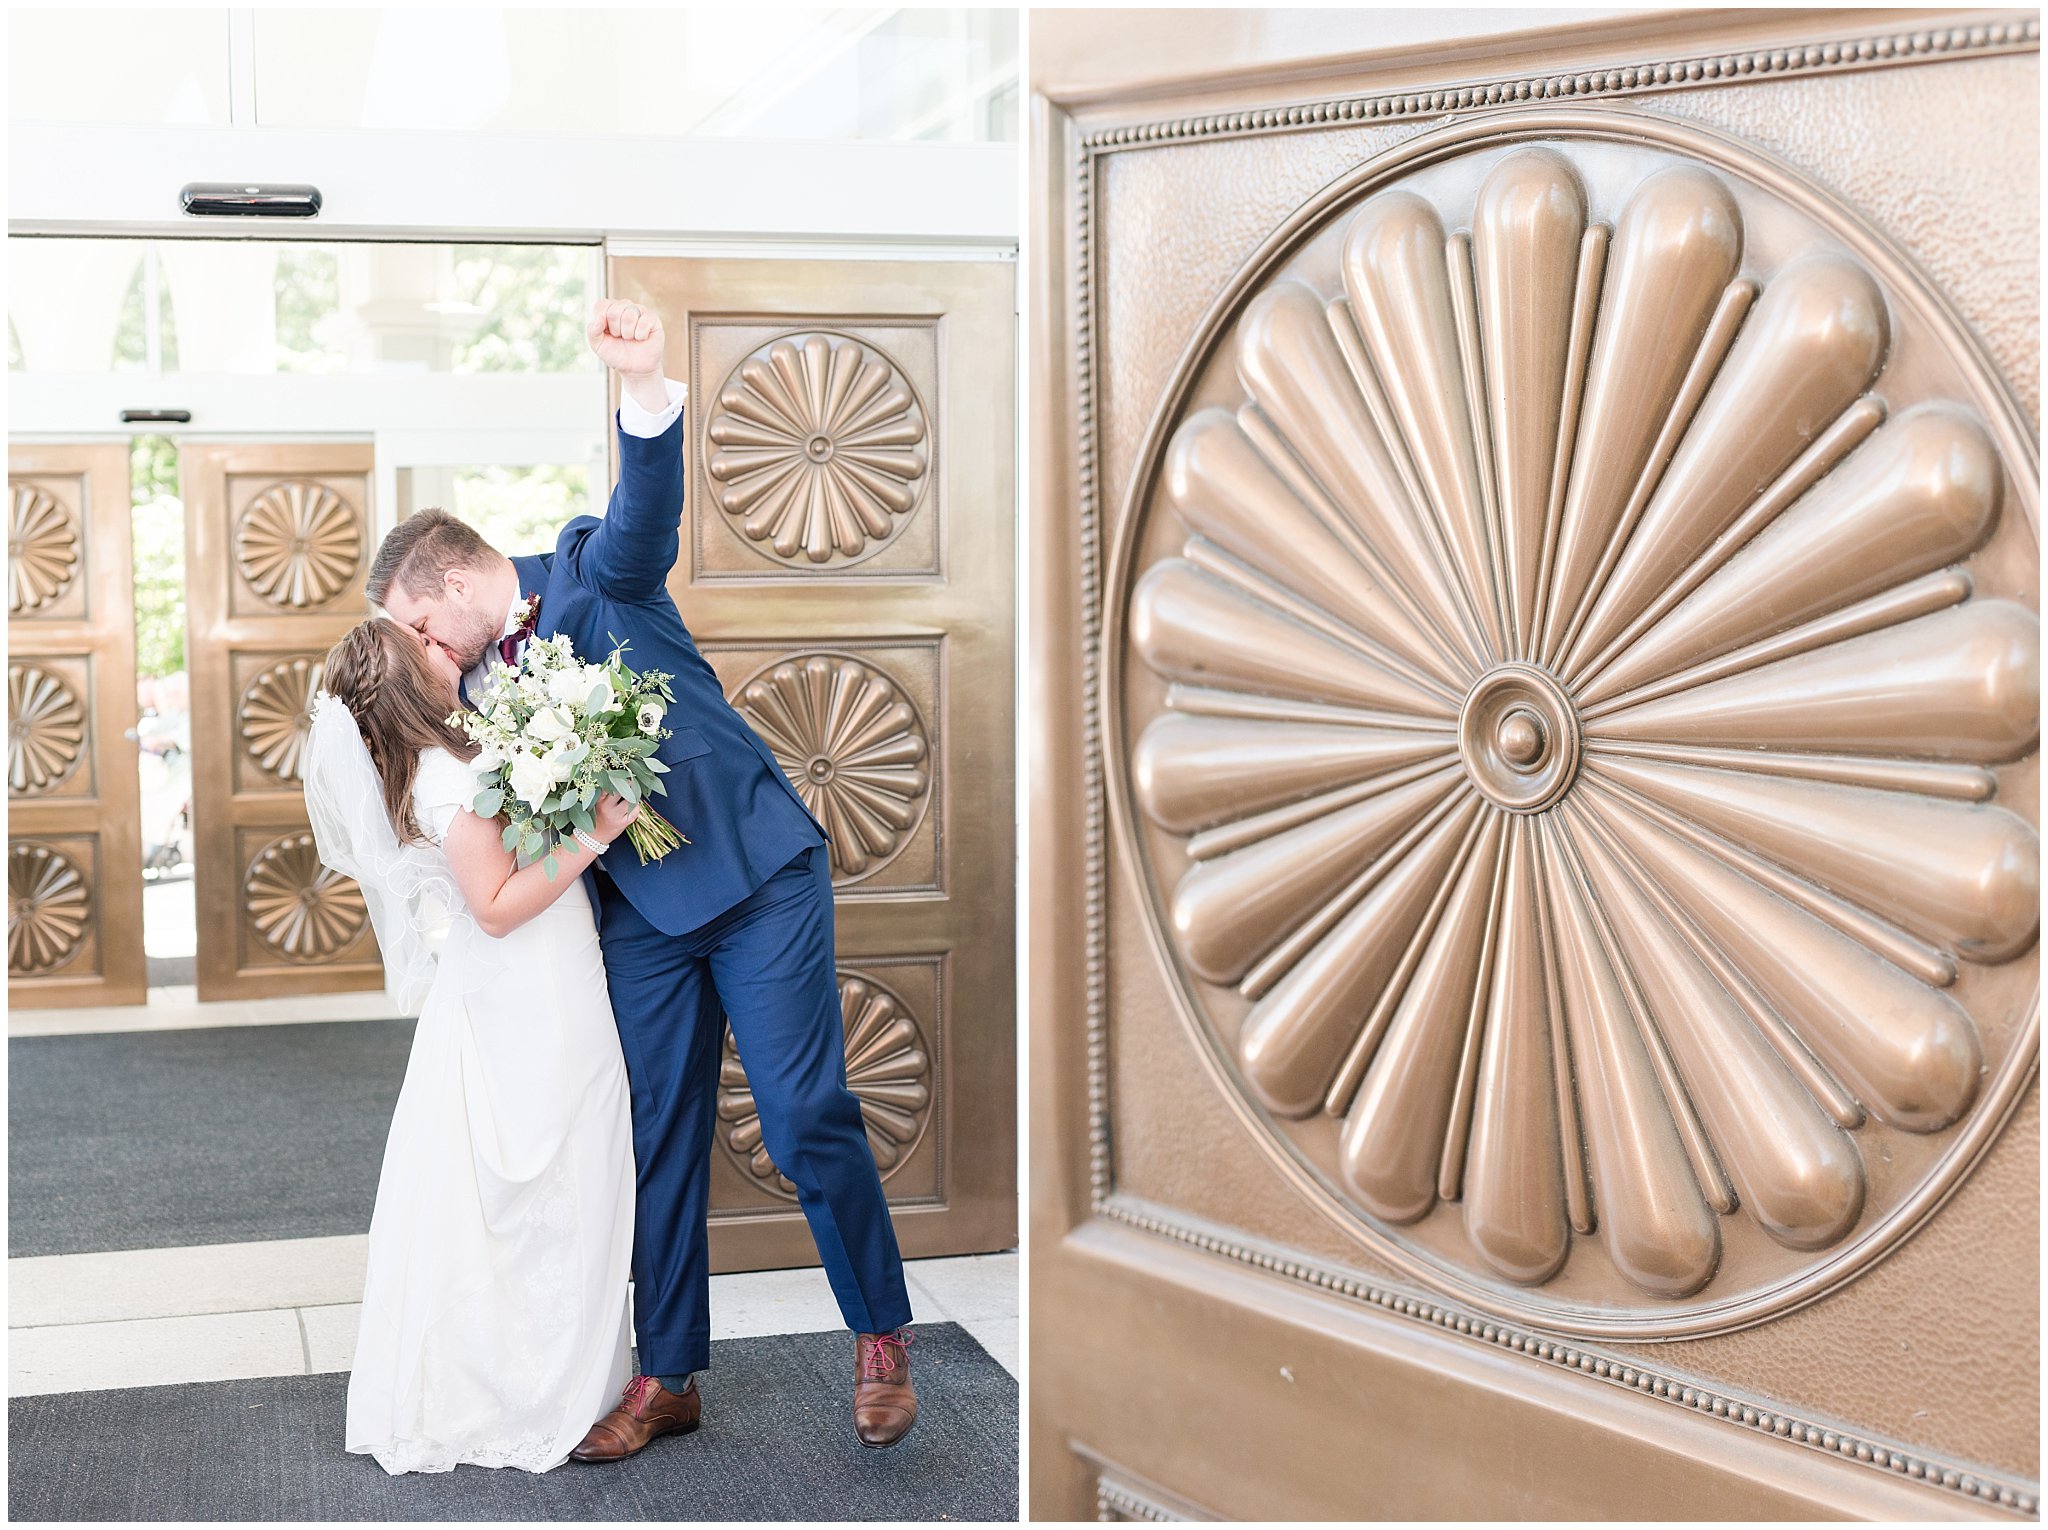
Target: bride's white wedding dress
495, 1326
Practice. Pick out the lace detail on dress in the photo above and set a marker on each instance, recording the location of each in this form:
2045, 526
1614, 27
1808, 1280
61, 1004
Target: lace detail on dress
534, 1340
544, 1287
537, 1451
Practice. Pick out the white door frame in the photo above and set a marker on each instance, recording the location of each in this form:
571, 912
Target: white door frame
631, 195
81, 179
478, 419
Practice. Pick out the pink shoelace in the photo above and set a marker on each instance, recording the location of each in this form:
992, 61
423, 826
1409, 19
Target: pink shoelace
875, 1364
634, 1398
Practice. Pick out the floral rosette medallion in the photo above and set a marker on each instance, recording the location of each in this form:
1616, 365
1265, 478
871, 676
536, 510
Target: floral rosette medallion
1574, 694
554, 734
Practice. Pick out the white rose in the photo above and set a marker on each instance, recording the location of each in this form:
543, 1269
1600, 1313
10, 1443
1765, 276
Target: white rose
551, 725
532, 779
569, 684
651, 714
487, 760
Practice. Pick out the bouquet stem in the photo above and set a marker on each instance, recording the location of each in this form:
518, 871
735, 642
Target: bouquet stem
652, 835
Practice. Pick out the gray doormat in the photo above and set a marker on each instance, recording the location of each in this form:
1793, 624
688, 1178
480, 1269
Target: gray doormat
228, 1134
776, 1444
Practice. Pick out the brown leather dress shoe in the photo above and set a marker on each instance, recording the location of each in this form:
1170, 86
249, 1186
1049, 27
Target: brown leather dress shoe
646, 1411
884, 1401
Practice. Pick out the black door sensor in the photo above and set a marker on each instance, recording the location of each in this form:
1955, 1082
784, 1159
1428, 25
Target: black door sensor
221, 199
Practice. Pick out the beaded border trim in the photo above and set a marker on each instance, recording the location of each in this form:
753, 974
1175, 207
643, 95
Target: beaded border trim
2015, 35
1565, 1355
1113, 1502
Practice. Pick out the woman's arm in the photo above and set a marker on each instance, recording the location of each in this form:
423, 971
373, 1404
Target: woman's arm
502, 894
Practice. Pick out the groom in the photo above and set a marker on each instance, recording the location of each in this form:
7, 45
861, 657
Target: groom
735, 925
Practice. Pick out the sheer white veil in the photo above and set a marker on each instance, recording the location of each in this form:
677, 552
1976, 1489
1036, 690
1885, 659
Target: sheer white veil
410, 893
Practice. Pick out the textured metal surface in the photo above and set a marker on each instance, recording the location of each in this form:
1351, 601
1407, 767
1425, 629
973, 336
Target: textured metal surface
1523, 449
1127, 317
854, 744
817, 447
847, 571
276, 718
298, 543
277, 542
42, 548
299, 909
74, 903
45, 729
49, 908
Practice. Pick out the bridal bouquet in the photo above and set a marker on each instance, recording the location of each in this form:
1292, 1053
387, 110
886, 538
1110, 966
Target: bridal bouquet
554, 733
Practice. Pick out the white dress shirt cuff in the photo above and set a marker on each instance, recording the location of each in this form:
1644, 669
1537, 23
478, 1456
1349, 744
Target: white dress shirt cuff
636, 421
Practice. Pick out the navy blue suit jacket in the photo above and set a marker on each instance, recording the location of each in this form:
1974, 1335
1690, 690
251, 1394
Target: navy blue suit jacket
609, 578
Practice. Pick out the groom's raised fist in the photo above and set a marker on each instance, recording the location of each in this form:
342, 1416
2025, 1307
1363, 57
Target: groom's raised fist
626, 337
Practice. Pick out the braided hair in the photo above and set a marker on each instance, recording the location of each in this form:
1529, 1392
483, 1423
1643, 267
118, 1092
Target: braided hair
379, 672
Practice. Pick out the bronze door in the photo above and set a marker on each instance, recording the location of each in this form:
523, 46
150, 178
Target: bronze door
74, 837
848, 569
277, 545
1535, 865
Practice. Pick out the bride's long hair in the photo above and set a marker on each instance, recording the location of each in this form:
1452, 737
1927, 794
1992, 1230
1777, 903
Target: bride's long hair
379, 672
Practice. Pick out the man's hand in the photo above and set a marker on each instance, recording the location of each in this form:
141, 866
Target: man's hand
627, 338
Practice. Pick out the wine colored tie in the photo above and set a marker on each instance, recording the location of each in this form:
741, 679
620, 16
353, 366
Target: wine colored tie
508, 646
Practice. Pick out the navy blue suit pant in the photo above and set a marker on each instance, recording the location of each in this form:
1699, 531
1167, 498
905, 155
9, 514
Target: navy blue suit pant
766, 964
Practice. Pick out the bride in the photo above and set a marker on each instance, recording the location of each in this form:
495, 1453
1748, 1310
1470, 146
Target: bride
495, 1322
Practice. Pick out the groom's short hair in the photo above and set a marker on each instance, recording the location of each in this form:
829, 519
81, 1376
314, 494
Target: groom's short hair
420, 549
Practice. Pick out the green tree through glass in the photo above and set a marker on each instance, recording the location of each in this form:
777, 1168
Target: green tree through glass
159, 528
535, 296
309, 310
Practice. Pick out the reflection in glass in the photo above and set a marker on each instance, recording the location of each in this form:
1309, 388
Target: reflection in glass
519, 508
928, 73
294, 306
169, 68
724, 72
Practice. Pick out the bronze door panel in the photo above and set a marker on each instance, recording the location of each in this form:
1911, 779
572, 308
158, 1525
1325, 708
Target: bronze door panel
1540, 588
74, 847
278, 537
847, 568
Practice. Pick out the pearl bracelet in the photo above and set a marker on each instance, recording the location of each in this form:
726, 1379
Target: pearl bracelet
588, 843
